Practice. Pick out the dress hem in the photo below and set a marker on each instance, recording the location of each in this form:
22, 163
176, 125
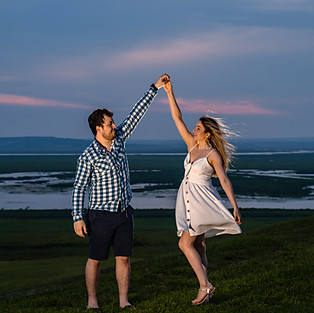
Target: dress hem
212, 232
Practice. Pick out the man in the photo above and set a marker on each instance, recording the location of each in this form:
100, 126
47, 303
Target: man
103, 167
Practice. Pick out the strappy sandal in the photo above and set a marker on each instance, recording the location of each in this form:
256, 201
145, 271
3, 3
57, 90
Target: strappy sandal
209, 294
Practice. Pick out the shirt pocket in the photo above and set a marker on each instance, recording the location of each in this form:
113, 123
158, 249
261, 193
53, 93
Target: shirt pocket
103, 167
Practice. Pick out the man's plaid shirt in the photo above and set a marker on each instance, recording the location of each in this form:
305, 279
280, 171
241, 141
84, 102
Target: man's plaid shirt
107, 173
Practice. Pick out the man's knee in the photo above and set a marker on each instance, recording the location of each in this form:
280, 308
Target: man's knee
123, 259
123, 263
93, 263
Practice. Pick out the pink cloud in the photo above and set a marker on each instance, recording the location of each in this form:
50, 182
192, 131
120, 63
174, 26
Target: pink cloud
225, 42
30, 101
237, 107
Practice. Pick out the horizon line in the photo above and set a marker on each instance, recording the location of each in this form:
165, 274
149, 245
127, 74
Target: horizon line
161, 139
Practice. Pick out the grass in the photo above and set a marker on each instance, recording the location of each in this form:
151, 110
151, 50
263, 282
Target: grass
269, 268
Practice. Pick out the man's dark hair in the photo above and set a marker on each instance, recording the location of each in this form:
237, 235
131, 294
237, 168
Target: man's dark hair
97, 119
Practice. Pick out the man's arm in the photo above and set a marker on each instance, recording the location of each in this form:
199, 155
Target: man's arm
82, 179
129, 124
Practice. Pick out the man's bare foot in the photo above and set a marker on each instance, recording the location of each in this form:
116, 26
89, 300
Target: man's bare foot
125, 305
92, 304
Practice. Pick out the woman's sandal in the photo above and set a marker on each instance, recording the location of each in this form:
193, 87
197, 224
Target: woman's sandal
209, 294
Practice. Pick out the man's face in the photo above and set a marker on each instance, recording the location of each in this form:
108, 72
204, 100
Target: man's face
107, 130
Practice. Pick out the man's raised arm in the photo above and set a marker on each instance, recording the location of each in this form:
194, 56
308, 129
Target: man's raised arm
129, 124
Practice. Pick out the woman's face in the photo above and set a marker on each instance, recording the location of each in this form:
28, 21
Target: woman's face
199, 132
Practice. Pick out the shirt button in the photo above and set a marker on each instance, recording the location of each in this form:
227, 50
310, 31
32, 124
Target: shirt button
188, 211
186, 192
188, 219
187, 201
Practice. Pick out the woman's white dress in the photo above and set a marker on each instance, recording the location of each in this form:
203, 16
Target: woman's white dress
199, 207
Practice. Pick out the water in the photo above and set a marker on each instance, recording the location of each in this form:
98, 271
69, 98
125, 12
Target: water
261, 180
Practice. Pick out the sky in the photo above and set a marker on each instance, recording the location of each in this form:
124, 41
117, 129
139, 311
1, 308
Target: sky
249, 62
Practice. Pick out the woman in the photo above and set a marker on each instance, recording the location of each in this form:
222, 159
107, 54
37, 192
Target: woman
200, 212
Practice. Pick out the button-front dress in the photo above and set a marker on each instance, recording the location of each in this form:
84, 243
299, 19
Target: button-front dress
199, 207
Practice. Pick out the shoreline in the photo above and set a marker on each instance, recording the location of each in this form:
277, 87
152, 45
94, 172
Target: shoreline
161, 199
152, 213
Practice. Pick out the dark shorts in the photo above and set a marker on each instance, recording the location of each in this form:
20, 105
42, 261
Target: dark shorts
106, 229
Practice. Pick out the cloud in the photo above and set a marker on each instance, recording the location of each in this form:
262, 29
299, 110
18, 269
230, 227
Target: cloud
237, 107
30, 101
226, 42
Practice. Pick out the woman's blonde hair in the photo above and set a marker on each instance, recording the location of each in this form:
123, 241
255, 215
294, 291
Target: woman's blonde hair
217, 139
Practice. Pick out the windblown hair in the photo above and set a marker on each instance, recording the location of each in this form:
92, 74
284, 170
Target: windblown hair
97, 119
218, 134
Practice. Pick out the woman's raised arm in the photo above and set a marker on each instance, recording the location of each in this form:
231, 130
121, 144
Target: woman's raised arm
177, 116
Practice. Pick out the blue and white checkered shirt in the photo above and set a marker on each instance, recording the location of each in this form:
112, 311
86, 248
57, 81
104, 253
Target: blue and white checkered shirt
107, 173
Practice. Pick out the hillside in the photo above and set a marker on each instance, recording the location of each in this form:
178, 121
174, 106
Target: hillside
266, 269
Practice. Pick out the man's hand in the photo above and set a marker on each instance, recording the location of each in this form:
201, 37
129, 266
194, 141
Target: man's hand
80, 228
162, 80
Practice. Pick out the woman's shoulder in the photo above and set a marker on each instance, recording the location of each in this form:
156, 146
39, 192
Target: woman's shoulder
214, 155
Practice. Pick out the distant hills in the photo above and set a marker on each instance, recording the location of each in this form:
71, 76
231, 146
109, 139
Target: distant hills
68, 145
41, 145
274, 144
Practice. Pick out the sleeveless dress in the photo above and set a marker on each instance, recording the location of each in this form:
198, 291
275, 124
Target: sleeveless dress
199, 207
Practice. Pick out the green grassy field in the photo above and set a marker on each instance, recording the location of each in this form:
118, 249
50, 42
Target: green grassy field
269, 268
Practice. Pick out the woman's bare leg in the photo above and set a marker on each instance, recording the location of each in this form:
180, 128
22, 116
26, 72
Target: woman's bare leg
186, 244
200, 246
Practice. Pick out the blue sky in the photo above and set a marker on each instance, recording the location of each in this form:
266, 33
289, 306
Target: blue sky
250, 62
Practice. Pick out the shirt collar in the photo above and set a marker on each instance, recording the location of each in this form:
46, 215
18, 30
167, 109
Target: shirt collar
100, 148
